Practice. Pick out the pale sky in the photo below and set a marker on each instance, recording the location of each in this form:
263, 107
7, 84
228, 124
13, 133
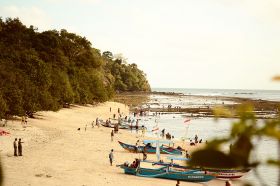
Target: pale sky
225, 44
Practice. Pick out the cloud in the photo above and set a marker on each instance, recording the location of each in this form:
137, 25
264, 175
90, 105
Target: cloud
29, 16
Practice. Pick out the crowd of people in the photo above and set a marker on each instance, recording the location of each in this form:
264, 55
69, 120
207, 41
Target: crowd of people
196, 141
167, 136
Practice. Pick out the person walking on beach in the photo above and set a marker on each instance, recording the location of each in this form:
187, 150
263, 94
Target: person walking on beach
228, 183
20, 147
178, 183
112, 135
144, 155
111, 157
110, 109
15, 147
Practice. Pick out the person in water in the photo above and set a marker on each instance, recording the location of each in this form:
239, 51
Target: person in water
196, 139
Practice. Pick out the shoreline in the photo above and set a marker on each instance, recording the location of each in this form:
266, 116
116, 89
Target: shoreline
264, 109
55, 153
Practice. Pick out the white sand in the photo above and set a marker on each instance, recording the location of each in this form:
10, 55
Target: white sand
56, 153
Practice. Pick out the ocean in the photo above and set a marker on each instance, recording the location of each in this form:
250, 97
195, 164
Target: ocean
208, 128
271, 95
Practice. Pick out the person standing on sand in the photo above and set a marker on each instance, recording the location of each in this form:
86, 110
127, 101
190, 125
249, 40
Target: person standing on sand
178, 183
22, 120
112, 135
137, 125
20, 147
96, 121
143, 130
111, 157
110, 109
15, 147
136, 146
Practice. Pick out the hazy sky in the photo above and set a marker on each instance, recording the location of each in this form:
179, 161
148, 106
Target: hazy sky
178, 43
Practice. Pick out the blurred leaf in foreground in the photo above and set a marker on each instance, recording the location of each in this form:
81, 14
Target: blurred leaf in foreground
212, 158
241, 149
222, 112
273, 162
276, 78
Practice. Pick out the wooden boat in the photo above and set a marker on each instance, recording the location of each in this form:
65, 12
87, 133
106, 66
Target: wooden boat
149, 149
228, 173
167, 172
113, 126
220, 173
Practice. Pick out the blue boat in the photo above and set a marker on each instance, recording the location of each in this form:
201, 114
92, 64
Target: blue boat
149, 149
167, 172
220, 173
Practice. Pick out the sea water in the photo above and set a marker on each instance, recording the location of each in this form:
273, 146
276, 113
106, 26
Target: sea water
272, 95
208, 128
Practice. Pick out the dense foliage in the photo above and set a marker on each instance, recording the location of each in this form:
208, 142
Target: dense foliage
43, 71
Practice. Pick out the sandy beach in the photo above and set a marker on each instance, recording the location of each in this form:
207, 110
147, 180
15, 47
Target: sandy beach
56, 153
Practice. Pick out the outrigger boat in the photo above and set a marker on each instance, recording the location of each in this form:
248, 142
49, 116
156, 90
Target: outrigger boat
227, 173
113, 126
168, 172
150, 149
220, 173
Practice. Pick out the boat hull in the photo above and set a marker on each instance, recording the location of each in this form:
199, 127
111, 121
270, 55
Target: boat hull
229, 174
149, 149
163, 173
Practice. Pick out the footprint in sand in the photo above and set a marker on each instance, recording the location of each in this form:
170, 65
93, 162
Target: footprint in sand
41, 175
38, 175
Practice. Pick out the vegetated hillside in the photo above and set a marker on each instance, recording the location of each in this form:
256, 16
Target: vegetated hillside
44, 70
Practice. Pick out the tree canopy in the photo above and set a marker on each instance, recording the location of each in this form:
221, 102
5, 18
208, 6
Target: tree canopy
44, 70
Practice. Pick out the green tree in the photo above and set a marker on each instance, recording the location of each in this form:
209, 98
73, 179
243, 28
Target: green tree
43, 71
